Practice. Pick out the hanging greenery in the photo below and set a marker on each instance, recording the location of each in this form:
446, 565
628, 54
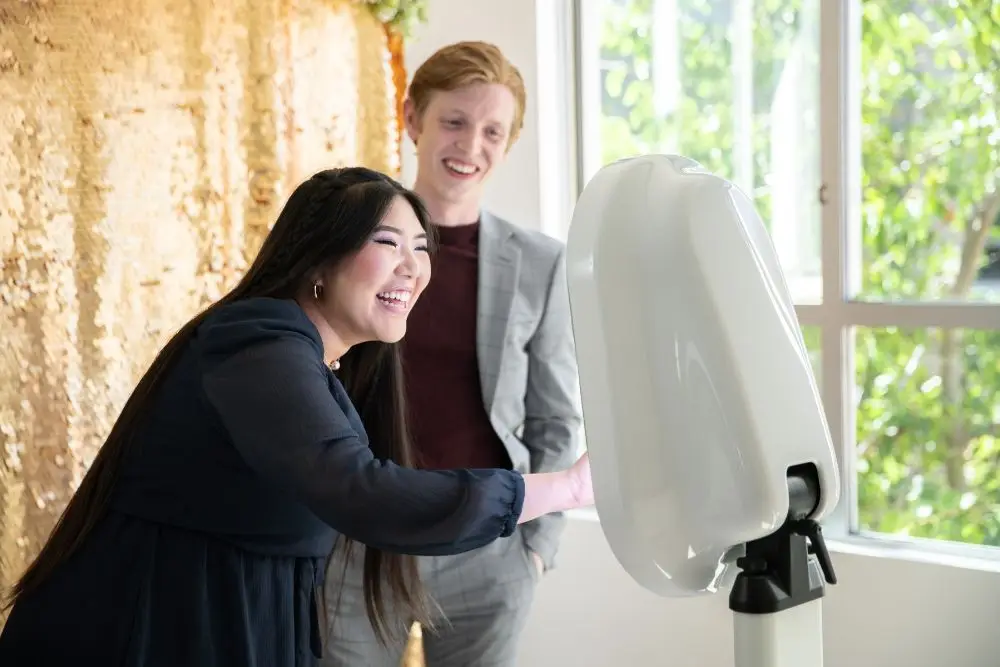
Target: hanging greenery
401, 16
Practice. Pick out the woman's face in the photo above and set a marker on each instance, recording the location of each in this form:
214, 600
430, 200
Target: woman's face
461, 137
368, 296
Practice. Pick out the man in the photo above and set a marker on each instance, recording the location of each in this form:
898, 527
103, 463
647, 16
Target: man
491, 375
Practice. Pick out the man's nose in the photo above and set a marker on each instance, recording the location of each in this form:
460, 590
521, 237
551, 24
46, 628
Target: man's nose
471, 140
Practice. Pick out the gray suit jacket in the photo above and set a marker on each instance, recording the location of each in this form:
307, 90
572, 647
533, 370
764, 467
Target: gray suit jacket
527, 358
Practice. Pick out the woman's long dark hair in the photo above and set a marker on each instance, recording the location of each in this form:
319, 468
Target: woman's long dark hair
327, 219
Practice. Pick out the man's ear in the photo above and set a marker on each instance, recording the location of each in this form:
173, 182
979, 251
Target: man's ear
412, 120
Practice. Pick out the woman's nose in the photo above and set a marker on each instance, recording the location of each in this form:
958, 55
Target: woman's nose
409, 267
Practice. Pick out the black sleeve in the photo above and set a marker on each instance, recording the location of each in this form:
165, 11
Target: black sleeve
275, 401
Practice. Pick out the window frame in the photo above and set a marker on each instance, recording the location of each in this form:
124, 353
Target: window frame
839, 312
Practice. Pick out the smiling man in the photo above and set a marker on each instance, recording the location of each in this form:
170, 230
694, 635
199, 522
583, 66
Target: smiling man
490, 365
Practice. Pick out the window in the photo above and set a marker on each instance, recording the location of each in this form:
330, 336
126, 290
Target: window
732, 85
866, 132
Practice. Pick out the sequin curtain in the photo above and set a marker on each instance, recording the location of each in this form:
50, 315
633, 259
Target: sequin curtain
145, 149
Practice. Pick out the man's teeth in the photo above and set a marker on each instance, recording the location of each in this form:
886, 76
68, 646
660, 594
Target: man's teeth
461, 168
399, 297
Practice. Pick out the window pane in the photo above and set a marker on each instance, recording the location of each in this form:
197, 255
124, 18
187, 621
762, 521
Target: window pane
733, 84
928, 433
929, 145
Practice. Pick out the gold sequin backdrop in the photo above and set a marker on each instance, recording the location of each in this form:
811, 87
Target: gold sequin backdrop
145, 148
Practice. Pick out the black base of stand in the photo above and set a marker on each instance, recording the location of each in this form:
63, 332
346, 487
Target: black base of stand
791, 566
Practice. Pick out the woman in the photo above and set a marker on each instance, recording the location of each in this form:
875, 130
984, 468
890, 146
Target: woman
491, 371
199, 536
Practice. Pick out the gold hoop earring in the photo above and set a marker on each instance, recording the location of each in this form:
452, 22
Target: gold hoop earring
317, 291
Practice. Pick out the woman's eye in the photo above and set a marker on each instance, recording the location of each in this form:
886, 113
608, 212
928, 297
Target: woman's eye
395, 244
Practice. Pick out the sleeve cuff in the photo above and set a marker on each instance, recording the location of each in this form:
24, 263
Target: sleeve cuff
516, 505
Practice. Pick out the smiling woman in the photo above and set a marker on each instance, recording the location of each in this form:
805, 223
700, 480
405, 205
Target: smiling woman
370, 297
201, 532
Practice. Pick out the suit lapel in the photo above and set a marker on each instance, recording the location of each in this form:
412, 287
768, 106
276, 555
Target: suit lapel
499, 263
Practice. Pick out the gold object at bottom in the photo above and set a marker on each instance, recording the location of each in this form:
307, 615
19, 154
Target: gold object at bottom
413, 656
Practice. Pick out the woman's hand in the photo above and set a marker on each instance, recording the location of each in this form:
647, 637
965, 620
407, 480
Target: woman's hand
548, 492
584, 485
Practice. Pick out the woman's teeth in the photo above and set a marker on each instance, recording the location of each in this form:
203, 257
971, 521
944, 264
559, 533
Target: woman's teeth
394, 298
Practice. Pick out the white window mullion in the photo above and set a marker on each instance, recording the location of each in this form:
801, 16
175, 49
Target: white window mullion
905, 315
851, 258
558, 111
921, 315
845, 340
836, 374
850, 143
589, 96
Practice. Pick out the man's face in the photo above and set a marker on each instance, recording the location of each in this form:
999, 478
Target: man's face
461, 137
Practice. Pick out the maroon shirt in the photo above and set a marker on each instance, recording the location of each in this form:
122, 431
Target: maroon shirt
450, 426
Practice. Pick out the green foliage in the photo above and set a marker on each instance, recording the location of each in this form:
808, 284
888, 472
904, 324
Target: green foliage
929, 145
928, 402
400, 15
927, 421
927, 433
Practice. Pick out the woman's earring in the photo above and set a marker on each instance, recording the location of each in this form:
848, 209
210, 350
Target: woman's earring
335, 365
317, 291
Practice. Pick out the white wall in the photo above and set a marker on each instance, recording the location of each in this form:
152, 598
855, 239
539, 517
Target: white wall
885, 612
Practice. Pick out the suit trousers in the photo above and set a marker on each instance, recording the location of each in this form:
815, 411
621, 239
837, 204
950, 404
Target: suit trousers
481, 598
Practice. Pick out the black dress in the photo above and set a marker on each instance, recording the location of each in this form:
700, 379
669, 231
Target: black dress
213, 553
